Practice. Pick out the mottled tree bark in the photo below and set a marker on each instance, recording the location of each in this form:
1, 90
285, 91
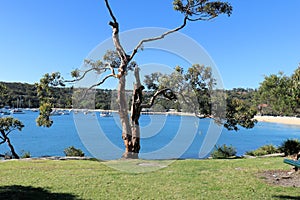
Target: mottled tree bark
132, 137
123, 112
136, 108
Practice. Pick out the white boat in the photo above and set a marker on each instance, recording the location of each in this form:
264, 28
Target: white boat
106, 114
17, 111
60, 112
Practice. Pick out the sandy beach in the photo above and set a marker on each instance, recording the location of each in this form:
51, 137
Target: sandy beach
281, 120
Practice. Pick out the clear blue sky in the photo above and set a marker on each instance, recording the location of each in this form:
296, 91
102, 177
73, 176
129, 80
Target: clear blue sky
261, 37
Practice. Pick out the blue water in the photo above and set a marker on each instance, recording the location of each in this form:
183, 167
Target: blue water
158, 132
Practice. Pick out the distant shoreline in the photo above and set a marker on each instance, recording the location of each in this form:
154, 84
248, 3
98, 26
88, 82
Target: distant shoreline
270, 119
278, 119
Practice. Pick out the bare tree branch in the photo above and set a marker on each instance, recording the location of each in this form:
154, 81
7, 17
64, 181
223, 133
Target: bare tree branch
10, 130
93, 86
91, 69
105, 78
1, 138
111, 12
203, 18
167, 93
80, 78
186, 18
101, 82
158, 37
119, 48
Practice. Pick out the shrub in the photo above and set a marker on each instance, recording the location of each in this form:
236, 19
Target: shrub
25, 154
72, 151
264, 150
223, 152
270, 149
290, 147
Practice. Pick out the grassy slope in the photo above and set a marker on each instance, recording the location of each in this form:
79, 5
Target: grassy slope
185, 179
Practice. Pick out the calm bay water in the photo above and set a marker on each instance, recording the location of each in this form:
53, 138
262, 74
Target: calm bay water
157, 132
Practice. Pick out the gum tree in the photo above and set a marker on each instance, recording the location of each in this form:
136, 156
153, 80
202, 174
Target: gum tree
195, 88
7, 125
119, 62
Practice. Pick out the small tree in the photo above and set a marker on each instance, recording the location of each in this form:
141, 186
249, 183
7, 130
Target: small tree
7, 125
72, 151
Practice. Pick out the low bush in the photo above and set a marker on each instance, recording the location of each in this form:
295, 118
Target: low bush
223, 151
264, 150
290, 147
25, 154
72, 151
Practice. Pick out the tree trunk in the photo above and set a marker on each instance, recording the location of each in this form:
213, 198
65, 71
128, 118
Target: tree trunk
12, 149
122, 101
130, 129
135, 116
123, 112
136, 108
15, 155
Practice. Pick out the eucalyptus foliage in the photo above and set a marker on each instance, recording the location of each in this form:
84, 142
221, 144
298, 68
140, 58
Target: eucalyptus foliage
45, 93
197, 94
280, 93
8, 125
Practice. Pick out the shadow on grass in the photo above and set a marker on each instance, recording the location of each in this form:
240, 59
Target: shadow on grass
15, 192
287, 197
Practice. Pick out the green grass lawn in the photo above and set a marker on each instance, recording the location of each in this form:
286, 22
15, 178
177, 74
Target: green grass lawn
183, 179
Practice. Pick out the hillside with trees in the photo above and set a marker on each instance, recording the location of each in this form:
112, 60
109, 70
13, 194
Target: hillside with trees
24, 95
278, 94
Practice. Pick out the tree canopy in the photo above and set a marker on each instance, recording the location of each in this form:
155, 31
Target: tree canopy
280, 94
196, 93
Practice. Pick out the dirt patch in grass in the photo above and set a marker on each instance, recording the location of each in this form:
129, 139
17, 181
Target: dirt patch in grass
282, 177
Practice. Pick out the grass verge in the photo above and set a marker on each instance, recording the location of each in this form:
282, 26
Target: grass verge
183, 179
